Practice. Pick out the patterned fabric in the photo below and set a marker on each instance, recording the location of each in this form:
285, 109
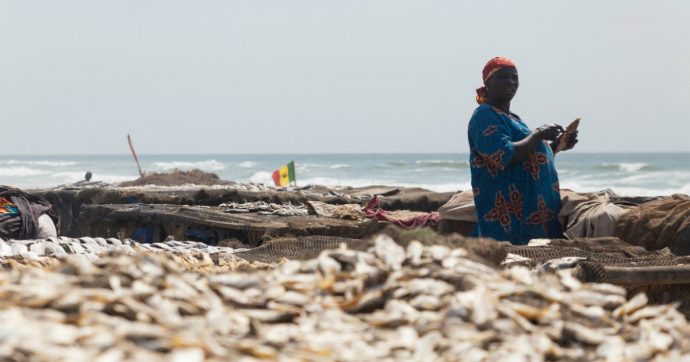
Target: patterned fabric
491, 67
514, 203
7, 208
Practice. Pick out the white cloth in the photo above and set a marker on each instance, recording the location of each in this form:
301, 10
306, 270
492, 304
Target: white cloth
46, 227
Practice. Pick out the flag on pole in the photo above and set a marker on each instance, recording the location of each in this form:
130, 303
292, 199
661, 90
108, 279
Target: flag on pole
284, 175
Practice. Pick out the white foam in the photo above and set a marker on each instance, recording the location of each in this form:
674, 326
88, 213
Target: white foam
21, 172
207, 165
339, 165
622, 190
442, 162
328, 181
67, 176
247, 164
39, 163
262, 177
626, 166
632, 166
305, 167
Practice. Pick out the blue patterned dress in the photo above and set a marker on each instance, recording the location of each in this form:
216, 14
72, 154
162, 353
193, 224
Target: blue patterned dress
514, 203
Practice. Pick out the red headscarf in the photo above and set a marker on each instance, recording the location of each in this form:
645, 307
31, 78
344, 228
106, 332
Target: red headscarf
491, 67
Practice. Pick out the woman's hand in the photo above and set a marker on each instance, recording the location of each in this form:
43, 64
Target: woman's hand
524, 147
550, 132
570, 140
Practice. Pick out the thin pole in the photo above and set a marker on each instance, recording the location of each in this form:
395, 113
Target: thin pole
131, 147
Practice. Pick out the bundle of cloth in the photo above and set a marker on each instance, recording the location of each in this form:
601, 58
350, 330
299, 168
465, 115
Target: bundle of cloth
25, 216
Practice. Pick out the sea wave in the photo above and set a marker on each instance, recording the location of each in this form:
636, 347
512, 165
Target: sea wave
21, 172
636, 185
338, 165
428, 164
442, 163
207, 165
397, 163
69, 176
625, 166
334, 182
247, 164
331, 181
262, 177
39, 163
305, 167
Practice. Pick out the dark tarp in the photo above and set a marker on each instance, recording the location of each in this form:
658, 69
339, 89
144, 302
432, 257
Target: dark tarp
30, 208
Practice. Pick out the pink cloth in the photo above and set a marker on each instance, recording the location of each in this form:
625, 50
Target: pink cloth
374, 211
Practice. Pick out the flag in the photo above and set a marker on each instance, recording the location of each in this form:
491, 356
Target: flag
284, 175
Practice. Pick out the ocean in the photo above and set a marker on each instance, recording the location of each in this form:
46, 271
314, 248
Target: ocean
628, 174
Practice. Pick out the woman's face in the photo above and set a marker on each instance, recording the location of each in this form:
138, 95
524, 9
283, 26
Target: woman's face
503, 85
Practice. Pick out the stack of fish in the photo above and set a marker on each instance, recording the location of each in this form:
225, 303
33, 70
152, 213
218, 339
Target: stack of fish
420, 303
265, 208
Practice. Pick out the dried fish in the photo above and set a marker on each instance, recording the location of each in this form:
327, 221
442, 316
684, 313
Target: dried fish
110, 300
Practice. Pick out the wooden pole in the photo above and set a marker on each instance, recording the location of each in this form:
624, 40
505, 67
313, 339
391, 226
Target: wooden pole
134, 154
634, 275
648, 275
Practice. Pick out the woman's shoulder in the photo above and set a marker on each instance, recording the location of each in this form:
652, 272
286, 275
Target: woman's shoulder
484, 108
484, 113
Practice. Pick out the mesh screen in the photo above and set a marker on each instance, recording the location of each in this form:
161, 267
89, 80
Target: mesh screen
299, 248
541, 254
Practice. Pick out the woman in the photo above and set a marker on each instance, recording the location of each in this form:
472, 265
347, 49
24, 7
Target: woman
514, 179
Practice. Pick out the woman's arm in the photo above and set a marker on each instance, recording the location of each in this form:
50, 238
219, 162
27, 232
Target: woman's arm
527, 145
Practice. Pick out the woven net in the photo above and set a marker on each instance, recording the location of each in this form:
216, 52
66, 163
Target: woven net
298, 248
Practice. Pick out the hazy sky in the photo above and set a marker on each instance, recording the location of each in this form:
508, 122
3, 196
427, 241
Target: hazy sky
334, 76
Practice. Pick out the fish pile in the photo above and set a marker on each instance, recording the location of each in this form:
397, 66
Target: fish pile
265, 208
91, 248
419, 302
60, 247
48, 252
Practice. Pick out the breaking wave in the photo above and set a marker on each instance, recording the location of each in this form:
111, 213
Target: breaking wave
442, 163
339, 165
21, 172
39, 163
262, 177
626, 166
247, 164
